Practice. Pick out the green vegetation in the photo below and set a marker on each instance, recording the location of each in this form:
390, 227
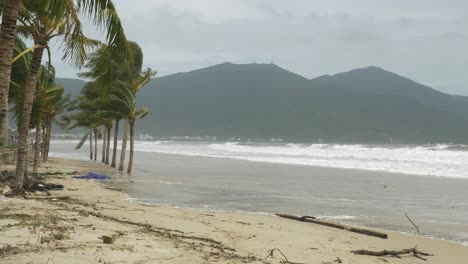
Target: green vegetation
11, 146
110, 97
38, 101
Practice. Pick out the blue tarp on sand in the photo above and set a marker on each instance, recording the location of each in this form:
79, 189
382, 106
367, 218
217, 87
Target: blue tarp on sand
92, 176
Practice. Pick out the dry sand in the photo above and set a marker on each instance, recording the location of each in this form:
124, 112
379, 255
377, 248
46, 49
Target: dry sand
69, 231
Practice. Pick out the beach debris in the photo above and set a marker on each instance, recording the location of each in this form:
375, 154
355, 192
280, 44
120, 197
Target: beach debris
338, 260
92, 176
54, 187
43, 187
6, 176
206, 214
396, 253
52, 198
311, 219
107, 239
286, 260
417, 230
59, 236
5, 190
9, 250
113, 189
393, 253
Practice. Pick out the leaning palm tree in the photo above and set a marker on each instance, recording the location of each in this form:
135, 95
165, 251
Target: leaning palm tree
60, 20
135, 84
121, 79
44, 93
126, 95
46, 78
9, 12
55, 105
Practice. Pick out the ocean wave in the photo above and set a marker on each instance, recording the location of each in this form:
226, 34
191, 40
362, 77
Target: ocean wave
445, 160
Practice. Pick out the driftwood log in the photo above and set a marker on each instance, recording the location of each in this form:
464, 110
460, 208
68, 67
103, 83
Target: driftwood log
64, 197
394, 253
310, 219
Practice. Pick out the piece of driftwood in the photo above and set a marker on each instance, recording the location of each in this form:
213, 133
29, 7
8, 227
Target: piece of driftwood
286, 260
396, 253
311, 219
415, 227
64, 197
393, 253
113, 189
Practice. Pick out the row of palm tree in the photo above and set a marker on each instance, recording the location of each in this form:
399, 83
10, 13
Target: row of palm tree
42, 21
109, 97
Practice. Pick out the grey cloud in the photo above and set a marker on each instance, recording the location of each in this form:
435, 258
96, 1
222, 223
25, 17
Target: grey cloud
424, 40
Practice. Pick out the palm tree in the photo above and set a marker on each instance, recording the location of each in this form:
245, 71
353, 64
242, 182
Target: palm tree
123, 151
135, 80
120, 79
44, 93
127, 96
90, 144
9, 14
116, 137
60, 19
55, 105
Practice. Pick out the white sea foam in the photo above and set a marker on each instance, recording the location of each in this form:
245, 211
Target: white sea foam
436, 160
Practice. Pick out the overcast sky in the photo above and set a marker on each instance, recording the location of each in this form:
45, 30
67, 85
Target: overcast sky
425, 40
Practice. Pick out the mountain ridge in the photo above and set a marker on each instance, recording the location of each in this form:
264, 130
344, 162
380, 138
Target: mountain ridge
263, 101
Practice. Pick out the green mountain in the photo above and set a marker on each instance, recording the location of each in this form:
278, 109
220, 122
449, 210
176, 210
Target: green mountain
264, 101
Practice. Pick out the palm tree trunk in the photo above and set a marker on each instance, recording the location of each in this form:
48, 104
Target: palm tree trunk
26, 116
132, 134
90, 144
7, 44
44, 140
95, 142
47, 141
104, 141
124, 147
116, 137
109, 129
37, 148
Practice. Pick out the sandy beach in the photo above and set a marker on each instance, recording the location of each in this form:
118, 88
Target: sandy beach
71, 231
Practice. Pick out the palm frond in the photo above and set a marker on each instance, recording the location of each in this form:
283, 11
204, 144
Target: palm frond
82, 141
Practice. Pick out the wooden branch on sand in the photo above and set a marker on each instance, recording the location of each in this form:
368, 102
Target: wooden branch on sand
394, 253
314, 220
286, 260
64, 197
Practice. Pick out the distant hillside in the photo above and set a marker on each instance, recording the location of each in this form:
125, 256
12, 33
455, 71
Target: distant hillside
264, 101
72, 86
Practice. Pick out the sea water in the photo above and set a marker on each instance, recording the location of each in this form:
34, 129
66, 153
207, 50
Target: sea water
369, 185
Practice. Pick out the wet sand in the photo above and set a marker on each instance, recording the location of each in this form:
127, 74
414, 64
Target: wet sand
69, 231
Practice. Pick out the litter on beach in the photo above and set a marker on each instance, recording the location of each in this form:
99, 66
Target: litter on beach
92, 176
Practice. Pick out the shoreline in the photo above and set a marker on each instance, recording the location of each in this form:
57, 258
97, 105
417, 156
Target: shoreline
185, 235
325, 170
255, 160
